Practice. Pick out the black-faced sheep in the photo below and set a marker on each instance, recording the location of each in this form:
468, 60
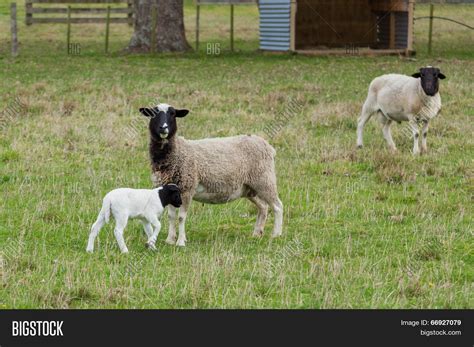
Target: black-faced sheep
215, 171
403, 98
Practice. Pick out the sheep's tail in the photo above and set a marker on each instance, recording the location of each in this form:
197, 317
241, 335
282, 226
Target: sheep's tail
104, 213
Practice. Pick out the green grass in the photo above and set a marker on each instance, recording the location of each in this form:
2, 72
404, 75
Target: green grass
361, 229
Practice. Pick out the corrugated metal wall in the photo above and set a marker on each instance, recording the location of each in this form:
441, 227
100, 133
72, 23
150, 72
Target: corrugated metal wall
275, 24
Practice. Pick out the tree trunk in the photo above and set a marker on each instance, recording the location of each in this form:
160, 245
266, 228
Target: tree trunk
170, 34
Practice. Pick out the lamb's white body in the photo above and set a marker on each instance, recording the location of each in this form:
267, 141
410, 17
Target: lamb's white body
125, 203
399, 98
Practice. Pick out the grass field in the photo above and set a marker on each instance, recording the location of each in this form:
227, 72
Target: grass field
362, 229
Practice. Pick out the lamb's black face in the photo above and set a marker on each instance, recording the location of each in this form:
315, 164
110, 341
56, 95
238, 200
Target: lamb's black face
163, 120
430, 77
170, 194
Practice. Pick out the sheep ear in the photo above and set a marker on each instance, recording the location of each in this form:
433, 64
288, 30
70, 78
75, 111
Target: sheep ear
441, 76
416, 75
181, 113
147, 112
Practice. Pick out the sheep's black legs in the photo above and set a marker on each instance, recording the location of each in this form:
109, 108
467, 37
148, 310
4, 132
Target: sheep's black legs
262, 214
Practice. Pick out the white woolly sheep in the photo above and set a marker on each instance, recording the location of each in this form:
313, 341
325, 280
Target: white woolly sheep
144, 204
403, 98
214, 171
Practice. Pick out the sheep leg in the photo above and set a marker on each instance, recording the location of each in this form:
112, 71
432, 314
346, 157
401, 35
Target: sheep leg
183, 210
99, 223
156, 230
424, 135
266, 190
277, 207
367, 112
120, 224
262, 214
171, 239
387, 134
148, 229
416, 134
278, 211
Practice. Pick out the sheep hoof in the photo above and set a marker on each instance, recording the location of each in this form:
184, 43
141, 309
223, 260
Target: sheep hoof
170, 241
180, 243
150, 246
257, 233
89, 250
359, 146
276, 235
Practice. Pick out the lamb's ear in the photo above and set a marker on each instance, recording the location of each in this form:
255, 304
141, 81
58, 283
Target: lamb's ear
164, 196
181, 113
147, 112
416, 75
441, 76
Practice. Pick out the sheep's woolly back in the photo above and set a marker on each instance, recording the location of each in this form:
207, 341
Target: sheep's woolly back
219, 164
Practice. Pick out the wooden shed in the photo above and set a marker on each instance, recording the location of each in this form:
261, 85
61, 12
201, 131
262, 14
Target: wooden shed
337, 26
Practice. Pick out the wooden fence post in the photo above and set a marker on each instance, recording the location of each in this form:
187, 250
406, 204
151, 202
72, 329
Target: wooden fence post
68, 28
107, 29
14, 29
198, 10
28, 12
231, 27
430, 32
130, 13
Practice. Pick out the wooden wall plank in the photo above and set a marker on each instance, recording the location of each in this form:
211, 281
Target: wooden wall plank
334, 23
79, 10
28, 8
411, 12
78, 2
78, 20
391, 42
127, 11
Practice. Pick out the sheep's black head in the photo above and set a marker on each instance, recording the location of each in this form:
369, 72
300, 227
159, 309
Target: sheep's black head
163, 120
430, 77
170, 194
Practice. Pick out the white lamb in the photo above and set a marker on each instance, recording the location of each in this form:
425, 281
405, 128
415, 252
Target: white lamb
403, 98
144, 204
